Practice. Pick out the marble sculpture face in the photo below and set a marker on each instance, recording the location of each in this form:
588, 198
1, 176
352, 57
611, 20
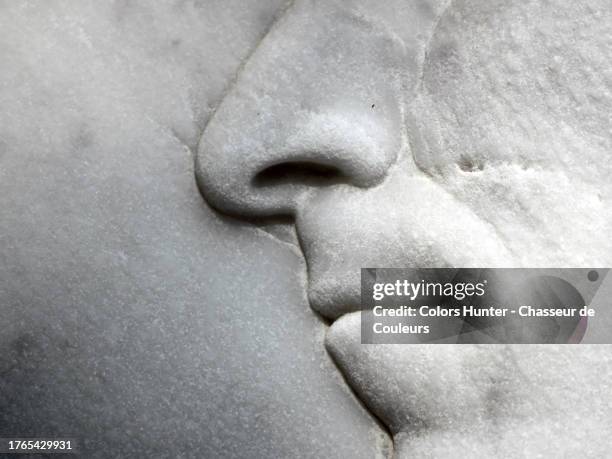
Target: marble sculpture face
432, 134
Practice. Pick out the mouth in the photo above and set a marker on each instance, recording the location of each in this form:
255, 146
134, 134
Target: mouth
359, 366
337, 300
412, 389
343, 344
333, 299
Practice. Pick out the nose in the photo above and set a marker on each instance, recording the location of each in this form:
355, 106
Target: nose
317, 104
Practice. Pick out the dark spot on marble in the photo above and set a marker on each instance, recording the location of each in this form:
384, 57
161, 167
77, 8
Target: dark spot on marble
23, 354
468, 164
83, 139
24, 345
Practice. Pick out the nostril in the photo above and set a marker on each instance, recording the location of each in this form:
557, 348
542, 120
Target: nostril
299, 173
249, 168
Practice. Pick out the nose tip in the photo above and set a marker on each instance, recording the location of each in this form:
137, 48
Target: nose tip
260, 161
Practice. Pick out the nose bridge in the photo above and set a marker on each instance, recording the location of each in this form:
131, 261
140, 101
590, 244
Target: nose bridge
308, 94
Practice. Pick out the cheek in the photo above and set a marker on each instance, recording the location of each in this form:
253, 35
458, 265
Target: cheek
545, 216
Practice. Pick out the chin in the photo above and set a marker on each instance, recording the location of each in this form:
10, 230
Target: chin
478, 400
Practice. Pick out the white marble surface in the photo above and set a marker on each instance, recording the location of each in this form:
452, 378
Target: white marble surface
117, 282
464, 133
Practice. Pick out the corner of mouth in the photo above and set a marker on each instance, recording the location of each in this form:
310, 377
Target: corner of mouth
331, 307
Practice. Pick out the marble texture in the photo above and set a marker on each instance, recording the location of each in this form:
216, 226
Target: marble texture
435, 134
134, 317
396, 133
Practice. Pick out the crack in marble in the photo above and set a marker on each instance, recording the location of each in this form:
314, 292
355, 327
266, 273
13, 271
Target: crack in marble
429, 40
